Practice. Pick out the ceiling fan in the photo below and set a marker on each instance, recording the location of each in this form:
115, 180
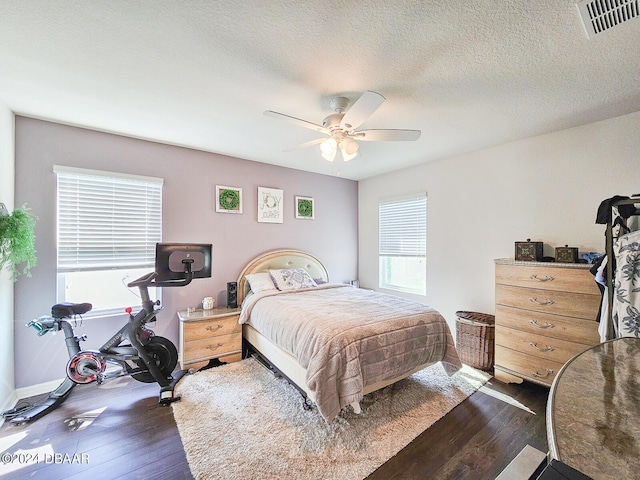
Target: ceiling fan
340, 127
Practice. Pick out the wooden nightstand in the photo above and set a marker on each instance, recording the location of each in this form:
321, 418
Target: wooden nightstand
209, 334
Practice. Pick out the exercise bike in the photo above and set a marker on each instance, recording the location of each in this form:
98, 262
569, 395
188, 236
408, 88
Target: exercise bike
146, 357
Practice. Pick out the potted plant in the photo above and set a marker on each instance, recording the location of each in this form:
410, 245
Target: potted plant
17, 240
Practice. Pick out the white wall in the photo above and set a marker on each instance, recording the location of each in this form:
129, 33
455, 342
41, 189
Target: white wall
546, 188
7, 176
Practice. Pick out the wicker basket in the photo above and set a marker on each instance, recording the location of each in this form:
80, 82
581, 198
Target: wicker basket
475, 333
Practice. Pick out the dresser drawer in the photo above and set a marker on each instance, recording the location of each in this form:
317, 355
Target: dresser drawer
547, 278
548, 348
579, 305
212, 347
565, 328
208, 328
527, 366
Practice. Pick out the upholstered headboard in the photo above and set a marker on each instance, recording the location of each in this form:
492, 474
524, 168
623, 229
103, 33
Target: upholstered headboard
277, 259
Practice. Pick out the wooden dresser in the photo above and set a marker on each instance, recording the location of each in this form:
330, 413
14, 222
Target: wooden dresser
209, 334
545, 315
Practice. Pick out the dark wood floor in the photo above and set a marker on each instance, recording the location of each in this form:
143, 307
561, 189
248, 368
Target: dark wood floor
478, 438
134, 438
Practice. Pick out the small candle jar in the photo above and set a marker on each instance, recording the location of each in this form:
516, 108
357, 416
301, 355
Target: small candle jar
207, 303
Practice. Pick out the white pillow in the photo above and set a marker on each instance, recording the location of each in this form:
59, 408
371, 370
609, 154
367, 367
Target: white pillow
259, 282
292, 279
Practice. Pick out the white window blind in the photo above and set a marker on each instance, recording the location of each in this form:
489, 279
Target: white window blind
107, 220
403, 244
403, 227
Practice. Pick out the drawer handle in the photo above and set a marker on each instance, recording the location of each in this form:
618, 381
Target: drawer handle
213, 347
212, 328
547, 324
547, 278
539, 375
546, 348
537, 302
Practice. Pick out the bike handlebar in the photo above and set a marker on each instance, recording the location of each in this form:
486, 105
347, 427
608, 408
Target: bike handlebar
143, 281
149, 280
43, 325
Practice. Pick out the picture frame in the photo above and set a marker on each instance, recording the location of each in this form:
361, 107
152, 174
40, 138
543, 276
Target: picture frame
270, 205
228, 199
305, 207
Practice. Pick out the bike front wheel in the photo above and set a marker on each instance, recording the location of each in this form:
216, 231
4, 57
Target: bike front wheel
164, 353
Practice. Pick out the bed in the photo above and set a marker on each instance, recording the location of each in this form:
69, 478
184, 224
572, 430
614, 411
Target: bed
334, 342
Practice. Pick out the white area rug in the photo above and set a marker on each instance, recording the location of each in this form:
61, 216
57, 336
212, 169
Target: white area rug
238, 421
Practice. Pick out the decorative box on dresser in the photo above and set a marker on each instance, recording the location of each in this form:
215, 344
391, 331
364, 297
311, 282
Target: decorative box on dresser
545, 315
209, 334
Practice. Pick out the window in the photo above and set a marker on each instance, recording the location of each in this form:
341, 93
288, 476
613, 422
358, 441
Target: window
403, 244
108, 227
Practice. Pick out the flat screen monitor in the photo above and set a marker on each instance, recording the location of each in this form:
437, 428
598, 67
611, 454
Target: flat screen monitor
170, 256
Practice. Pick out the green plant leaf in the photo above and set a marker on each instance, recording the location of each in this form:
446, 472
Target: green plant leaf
17, 242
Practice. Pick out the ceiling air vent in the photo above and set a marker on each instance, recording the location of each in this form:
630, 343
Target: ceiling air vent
600, 15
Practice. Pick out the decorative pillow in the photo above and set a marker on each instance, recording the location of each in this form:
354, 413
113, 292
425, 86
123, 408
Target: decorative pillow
259, 282
292, 279
319, 281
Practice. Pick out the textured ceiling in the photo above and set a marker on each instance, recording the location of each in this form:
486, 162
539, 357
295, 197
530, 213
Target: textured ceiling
469, 74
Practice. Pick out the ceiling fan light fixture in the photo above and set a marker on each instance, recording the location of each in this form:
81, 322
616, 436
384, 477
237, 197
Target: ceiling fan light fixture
349, 148
329, 156
348, 156
341, 126
328, 149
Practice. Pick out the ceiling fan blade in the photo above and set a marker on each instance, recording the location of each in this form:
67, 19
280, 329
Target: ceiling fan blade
305, 144
297, 121
387, 135
362, 109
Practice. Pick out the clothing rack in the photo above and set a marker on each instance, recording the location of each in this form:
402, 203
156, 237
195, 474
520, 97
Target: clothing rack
609, 252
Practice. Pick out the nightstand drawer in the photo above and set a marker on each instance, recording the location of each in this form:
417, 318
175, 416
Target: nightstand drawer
566, 328
527, 366
579, 305
548, 348
213, 327
213, 347
209, 334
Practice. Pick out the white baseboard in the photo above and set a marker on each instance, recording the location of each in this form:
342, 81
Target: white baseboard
33, 390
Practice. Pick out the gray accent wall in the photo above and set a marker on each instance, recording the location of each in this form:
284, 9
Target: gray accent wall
189, 215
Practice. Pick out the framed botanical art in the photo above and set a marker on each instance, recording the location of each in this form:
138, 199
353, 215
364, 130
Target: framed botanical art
304, 207
270, 208
228, 199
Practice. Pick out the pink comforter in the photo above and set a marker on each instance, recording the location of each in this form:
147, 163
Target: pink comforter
347, 338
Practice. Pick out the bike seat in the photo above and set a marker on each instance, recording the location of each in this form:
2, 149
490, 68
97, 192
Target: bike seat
66, 309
